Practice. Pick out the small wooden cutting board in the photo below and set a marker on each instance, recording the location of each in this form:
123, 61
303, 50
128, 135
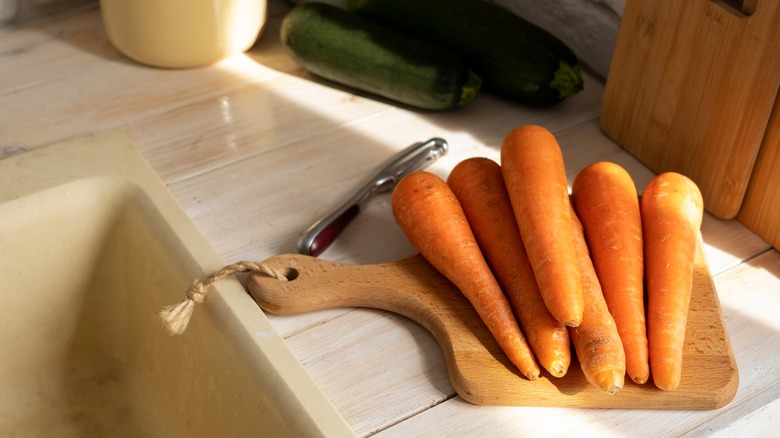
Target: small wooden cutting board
479, 371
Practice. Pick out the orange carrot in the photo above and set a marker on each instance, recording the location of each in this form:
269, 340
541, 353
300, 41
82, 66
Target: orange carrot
672, 209
606, 201
535, 178
479, 186
432, 218
596, 341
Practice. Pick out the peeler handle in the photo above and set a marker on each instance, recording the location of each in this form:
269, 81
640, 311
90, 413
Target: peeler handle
319, 236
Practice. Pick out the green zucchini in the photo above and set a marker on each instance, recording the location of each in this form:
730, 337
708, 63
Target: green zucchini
342, 47
513, 57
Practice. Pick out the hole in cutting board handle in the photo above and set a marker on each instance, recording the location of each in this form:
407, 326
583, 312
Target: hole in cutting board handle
291, 274
742, 8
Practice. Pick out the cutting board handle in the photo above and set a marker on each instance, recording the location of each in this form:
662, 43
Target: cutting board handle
410, 287
316, 284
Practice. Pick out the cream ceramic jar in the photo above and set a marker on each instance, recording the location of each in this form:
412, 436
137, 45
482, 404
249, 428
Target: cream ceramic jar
182, 33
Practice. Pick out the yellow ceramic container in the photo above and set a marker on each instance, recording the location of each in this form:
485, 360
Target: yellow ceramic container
182, 33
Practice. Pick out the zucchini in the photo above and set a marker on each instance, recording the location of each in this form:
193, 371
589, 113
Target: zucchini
342, 47
513, 57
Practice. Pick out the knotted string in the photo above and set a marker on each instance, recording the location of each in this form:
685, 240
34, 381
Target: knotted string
176, 317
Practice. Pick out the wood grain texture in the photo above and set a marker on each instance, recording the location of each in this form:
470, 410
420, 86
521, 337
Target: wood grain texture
691, 88
479, 371
761, 210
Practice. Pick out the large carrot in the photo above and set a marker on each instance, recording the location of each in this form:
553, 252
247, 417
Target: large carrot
479, 186
607, 204
672, 209
596, 341
535, 177
432, 218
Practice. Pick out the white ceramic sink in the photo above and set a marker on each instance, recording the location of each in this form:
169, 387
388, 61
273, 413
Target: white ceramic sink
92, 245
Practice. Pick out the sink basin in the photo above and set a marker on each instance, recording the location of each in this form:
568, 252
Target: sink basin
92, 246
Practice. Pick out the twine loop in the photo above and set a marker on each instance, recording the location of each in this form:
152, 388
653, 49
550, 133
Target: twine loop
176, 317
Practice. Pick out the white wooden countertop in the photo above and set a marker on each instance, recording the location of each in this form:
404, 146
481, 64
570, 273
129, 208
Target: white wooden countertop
255, 150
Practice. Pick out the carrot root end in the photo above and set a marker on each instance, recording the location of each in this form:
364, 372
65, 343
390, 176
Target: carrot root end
641, 380
558, 369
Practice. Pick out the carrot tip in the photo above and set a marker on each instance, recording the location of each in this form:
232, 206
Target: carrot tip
664, 387
558, 369
613, 390
610, 382
640, 380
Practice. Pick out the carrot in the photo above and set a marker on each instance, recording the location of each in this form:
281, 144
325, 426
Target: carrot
596, 341
535, 178
672, 210
479, 186
432, 218
606, 201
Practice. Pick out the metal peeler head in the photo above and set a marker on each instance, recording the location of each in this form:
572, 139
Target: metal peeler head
319, 236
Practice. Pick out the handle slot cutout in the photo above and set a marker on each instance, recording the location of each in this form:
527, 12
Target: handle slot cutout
740, 8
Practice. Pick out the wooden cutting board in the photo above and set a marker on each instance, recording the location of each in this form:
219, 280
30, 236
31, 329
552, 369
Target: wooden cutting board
479, 371
691, 87
761, 209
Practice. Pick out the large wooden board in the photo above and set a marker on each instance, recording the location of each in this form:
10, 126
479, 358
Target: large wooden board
690, 89
761, 209
479, 371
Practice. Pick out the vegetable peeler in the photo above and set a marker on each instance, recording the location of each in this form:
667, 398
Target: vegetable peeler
319, 236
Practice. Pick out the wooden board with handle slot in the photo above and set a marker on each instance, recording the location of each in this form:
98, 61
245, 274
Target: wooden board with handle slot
479, 371
761, 210
691, 87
